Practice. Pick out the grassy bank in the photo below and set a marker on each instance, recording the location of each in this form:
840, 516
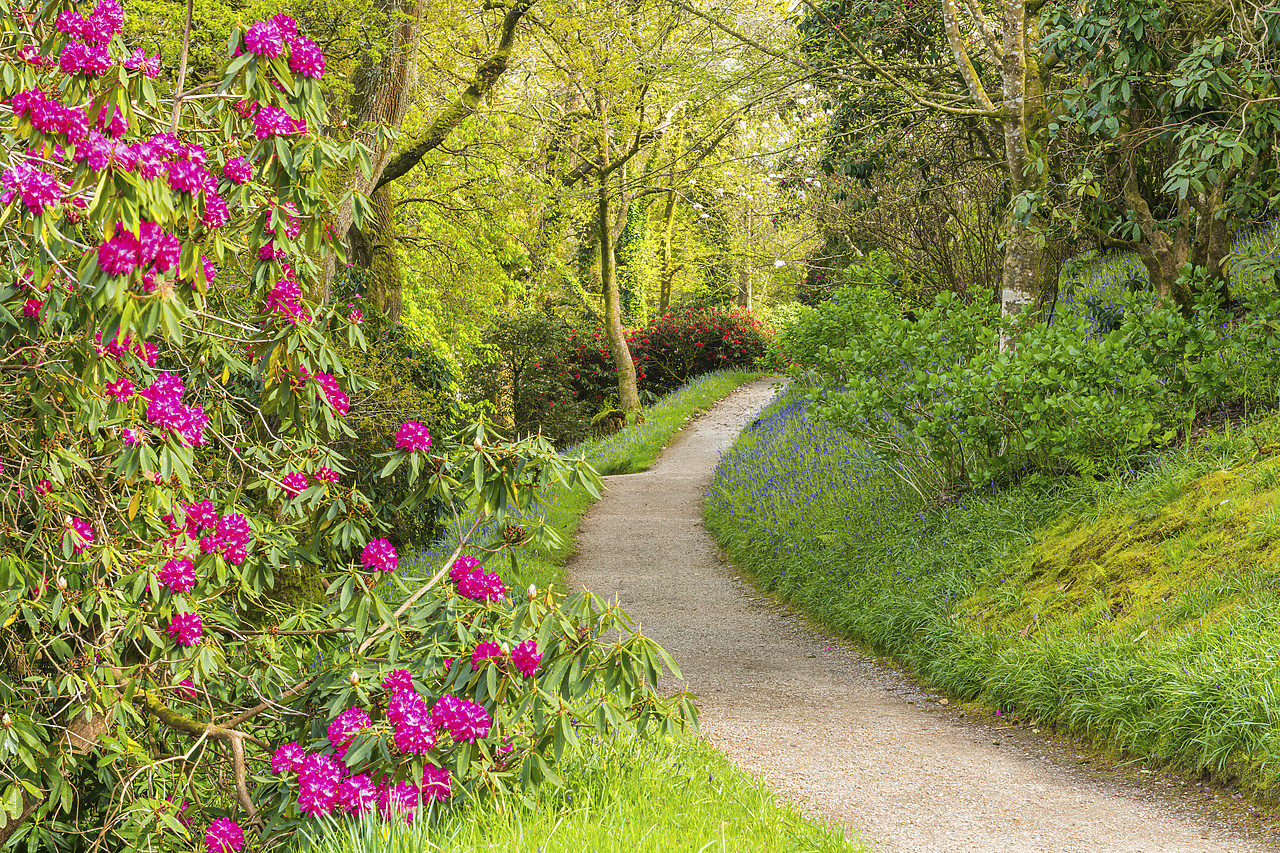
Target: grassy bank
1141, 612
621, 793
675, 795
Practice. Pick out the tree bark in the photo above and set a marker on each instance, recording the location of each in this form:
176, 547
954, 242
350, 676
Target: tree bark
628, 394
668, 264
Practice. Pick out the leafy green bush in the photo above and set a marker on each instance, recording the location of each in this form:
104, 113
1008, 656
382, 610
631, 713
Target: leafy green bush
943, 392
805, 334
520, 376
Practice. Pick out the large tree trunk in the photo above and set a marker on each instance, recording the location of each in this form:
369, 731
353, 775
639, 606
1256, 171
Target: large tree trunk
628, 395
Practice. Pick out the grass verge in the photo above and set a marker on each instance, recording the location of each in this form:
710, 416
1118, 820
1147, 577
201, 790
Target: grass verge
1141, 613
677, 795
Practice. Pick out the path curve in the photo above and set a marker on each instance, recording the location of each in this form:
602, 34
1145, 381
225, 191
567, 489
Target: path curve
828, 725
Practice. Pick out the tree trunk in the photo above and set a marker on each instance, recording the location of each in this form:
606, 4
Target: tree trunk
387, 273
628, 395
1163, 255
668, 264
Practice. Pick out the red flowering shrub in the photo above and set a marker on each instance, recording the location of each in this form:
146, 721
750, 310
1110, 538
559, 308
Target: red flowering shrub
678, 346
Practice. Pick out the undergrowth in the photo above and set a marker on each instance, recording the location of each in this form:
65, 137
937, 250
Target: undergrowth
1141, 612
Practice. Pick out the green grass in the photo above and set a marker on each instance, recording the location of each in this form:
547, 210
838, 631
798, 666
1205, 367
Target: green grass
1141, 613
620, 794
629, 795
635, 448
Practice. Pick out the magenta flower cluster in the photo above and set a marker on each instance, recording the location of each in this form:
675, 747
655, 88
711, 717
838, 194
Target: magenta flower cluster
527, 658
152, 248
81, 535
333, 393
186, 629
273, 121
413, 436
227, 535
379, 556
139, 61
344, 728
318, 780
178, 574
98, 28
224, 836
474, 582
484, 652
166, 410
464, 720
38, 190
294, 483
238, 170
415, 727
50, 116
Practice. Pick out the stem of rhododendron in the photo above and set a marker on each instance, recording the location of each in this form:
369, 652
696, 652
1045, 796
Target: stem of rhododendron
422, 590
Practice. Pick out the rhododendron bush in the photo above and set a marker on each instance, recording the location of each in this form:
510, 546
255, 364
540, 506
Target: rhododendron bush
204, 631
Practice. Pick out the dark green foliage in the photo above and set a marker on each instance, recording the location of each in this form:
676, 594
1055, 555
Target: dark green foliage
521, 375
410, 382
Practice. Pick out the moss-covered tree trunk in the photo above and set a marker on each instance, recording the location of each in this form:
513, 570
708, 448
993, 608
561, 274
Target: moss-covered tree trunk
628, 393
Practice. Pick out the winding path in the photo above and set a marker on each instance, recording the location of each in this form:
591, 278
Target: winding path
832, 727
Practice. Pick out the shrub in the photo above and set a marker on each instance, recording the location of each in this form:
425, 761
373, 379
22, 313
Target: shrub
190, 576
672, 349
941, 392
520, 375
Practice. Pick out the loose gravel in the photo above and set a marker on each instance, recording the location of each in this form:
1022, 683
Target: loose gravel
845, 734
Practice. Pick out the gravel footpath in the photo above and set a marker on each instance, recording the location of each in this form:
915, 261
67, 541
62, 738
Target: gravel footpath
842, 732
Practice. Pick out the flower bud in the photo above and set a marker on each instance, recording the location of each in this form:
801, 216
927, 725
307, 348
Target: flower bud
6, 721
355, 678
478, 444
532, 593
61, 582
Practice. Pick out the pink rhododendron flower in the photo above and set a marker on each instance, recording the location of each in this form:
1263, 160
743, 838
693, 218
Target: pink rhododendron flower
344, 728
484, 652
122, 389
413, 436
462, 567
356, 316
464, 720
187, 689
380, 556
325, 474
224, 836
398, 800
398, 680
294, 483
44, 487
273, 121
32, 307
38, 190
480, 585
186, 629
264, 39
305, 58
139, 61
526, 657
415, 728
288, 757
179, 575
238, 170
333, 393
357, 795
318, 781
435, 783
81, 535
